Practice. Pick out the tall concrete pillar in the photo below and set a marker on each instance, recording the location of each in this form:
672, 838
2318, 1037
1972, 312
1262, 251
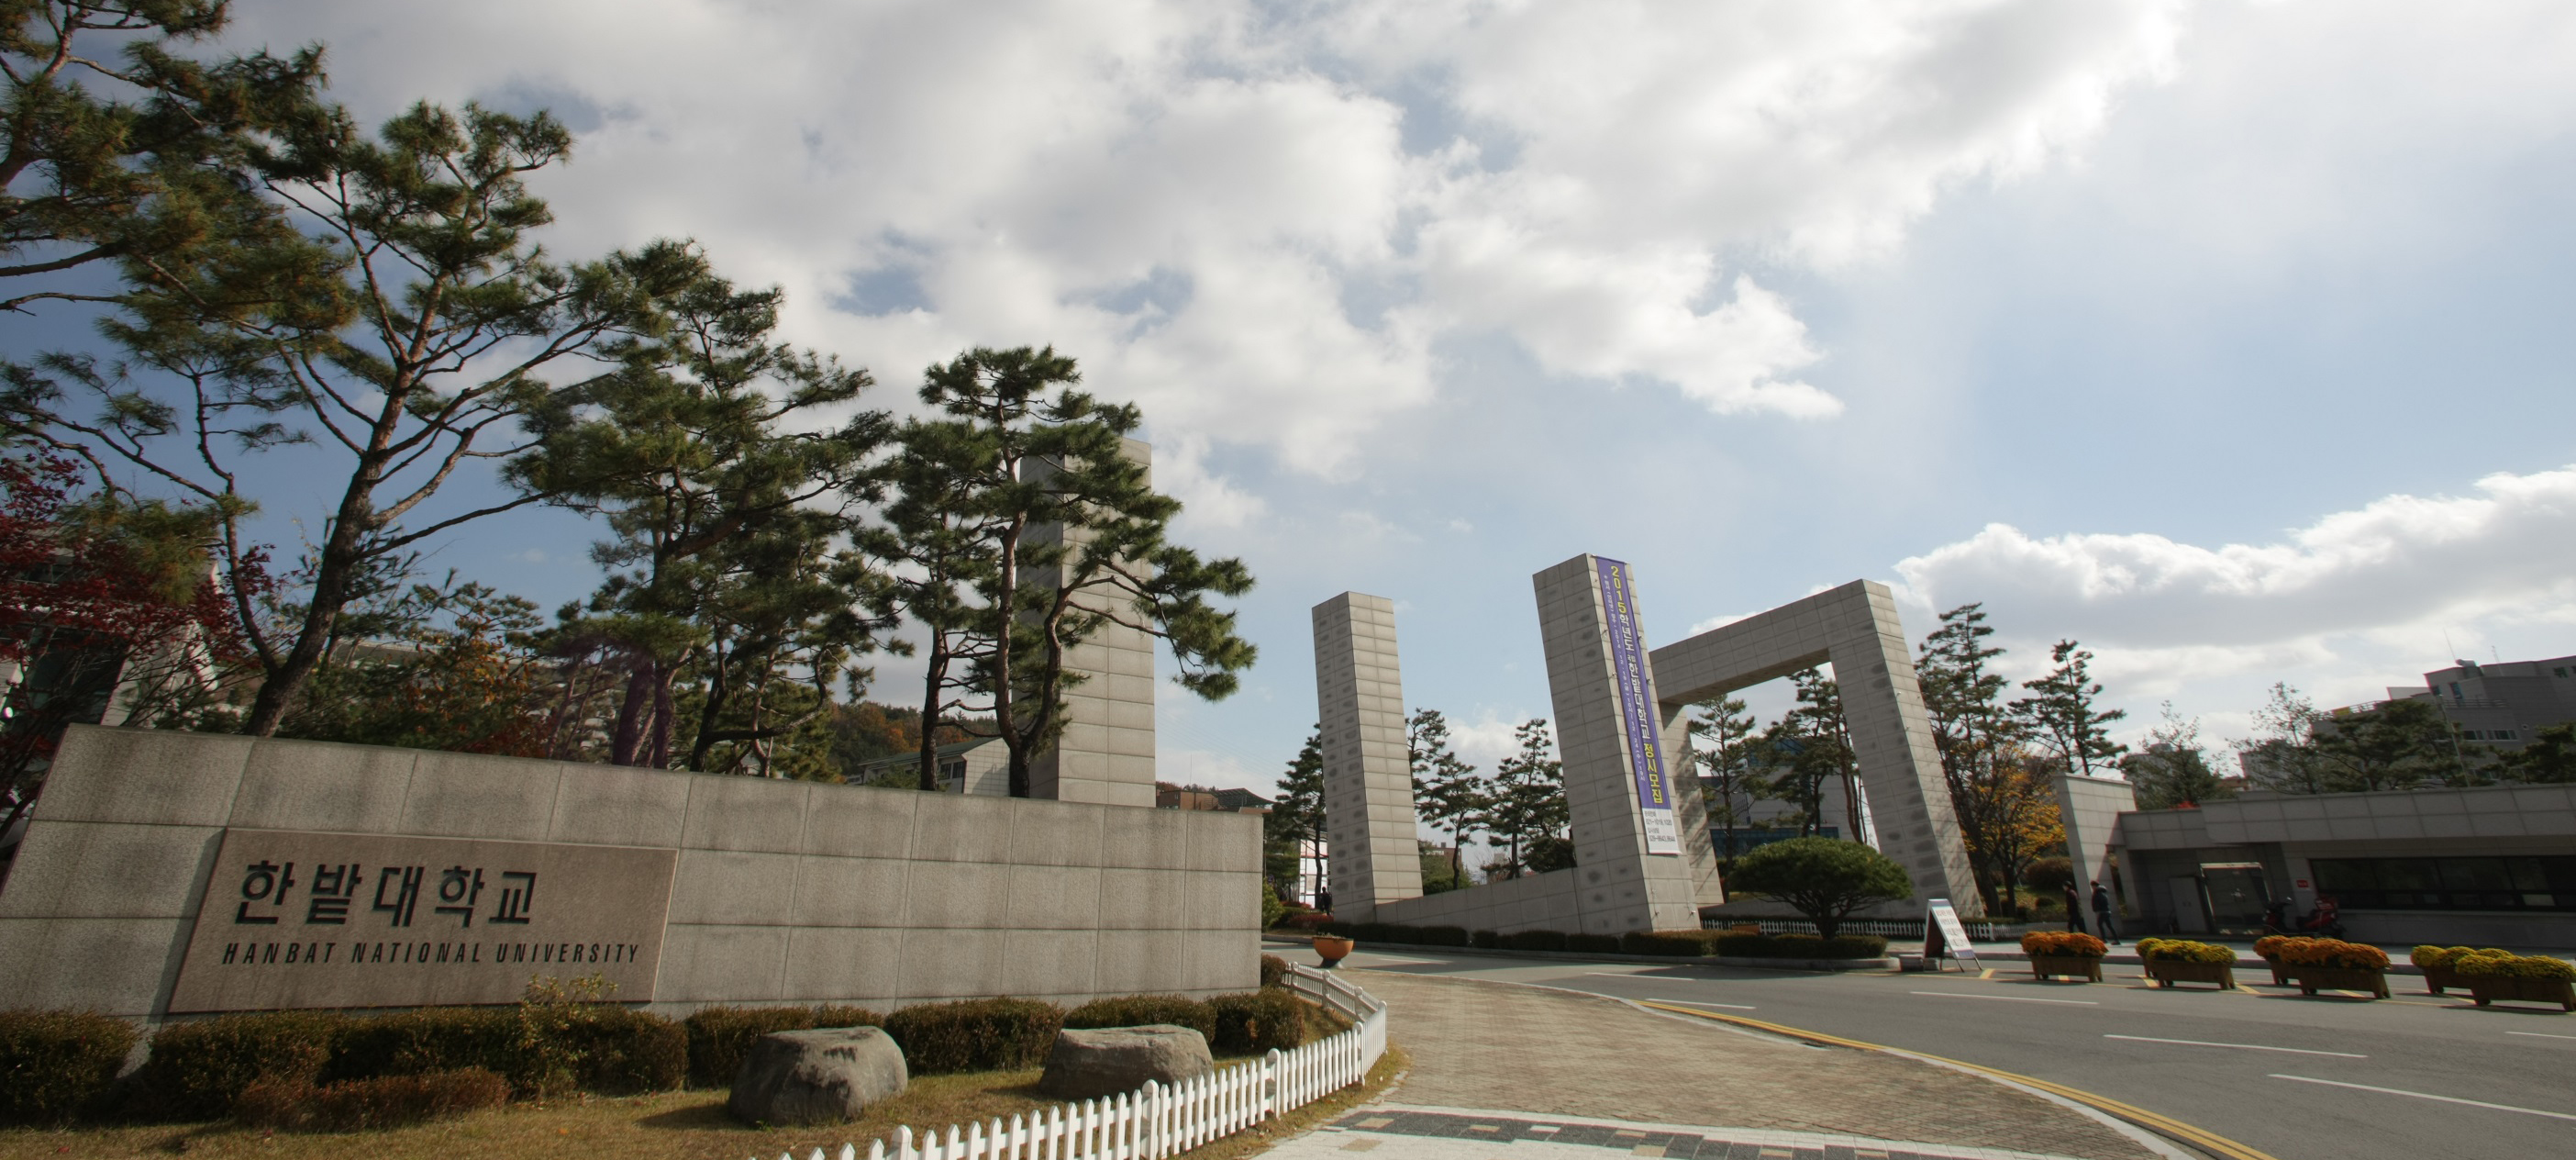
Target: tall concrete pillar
2091, 809
1631, 872
1368, 771
1106, 752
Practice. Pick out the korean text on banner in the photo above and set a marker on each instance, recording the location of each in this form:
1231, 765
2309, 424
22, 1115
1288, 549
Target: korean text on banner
1636, 708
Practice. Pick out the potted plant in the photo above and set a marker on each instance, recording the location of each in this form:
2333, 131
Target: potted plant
2499, 975
1333, 948
2268, 948
2064, 954
2173, 960
2331, 964
2439, 973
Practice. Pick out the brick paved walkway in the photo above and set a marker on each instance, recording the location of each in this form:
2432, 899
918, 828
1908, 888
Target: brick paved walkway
1537, 1053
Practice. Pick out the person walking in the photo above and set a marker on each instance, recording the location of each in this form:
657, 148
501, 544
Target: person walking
2102, 913
2074, 910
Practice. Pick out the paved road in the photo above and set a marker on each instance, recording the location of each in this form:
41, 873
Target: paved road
2264, 1069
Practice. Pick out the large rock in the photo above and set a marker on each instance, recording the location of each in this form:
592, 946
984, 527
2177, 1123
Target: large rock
1086, 1064
824, 1076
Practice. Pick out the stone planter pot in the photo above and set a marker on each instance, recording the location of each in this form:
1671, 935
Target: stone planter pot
2310, 980
2438, 978
1333, 948
2487, 989
2084, 967
2167, 972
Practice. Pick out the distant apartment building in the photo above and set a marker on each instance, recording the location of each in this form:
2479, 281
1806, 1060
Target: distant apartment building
981, 765
2499, 705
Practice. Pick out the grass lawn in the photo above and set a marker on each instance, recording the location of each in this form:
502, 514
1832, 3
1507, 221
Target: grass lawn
692, 1125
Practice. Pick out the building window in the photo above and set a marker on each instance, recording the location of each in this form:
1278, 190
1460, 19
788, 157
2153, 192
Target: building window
2560, 671
2502, 735
2534, 883
2472, 735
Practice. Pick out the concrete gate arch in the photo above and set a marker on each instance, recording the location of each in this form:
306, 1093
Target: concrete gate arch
1620, 883
1856, 628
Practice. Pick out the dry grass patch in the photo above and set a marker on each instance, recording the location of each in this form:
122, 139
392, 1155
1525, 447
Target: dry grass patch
687, 1125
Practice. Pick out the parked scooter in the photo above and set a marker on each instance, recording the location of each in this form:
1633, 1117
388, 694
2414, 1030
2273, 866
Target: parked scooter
2323, 922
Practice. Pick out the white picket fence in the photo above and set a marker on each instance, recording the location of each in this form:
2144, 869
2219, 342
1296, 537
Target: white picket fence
1158, 1122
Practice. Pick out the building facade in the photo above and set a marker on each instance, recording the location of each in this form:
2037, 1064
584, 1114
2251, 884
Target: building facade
2492, 865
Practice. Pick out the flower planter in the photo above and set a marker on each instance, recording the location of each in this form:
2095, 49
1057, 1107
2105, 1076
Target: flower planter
2084, 967
2310, 980
2280, 971
2487, 989
2437, 978
1332, 948
2167, 972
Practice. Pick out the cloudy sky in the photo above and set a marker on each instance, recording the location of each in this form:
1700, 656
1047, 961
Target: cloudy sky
2232, 339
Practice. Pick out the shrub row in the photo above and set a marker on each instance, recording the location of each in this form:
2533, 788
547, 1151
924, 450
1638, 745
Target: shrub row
56, 1066
1798, 946
2063, 944
2180, 950
1274, 970
1676, 943
322, 1069
719, 1037
199, 1070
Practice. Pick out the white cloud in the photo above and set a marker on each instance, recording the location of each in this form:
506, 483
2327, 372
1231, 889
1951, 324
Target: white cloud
1258, 223
2354, 602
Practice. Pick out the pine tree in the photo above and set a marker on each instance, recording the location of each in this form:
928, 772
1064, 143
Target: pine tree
1980, 742
1722, 748
1446, 790
729, 504
1076, 539
1527, 805
2064, 717
420, 320
1297, 818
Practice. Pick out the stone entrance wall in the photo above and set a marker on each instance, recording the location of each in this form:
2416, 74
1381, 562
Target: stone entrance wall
778, 892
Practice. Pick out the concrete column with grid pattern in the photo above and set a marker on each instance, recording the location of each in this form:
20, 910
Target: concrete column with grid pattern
1368, 771
1619, 886
1106, 752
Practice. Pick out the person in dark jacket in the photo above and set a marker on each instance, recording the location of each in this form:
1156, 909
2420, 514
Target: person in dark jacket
2074, 910
2102, 913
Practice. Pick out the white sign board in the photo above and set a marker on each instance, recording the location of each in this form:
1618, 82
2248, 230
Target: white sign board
1944, 924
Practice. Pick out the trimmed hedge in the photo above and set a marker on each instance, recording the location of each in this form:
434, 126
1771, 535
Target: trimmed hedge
1533, 940
1485, 939
1273, 969
58, 1065
975, 1035
197, 1070
2183, 950
1677, 943
356, 1105
1796, 946
1139, 1010
719, 1037
1266, 1020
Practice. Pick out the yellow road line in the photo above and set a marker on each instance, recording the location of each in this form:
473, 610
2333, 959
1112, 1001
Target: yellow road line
2203, 1139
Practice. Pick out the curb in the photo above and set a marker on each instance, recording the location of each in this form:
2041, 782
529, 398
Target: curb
1878, 964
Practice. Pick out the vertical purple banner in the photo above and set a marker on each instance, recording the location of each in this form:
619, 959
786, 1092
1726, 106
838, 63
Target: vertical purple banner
1636, 710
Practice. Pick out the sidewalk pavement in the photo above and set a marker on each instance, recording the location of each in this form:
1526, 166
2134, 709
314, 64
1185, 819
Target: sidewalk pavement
1534, 1058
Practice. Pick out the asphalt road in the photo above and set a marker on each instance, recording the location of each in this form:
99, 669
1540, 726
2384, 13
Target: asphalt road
2278, 1071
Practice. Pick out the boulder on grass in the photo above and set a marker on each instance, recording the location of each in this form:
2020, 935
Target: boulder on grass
1104, 1061
825, 1076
